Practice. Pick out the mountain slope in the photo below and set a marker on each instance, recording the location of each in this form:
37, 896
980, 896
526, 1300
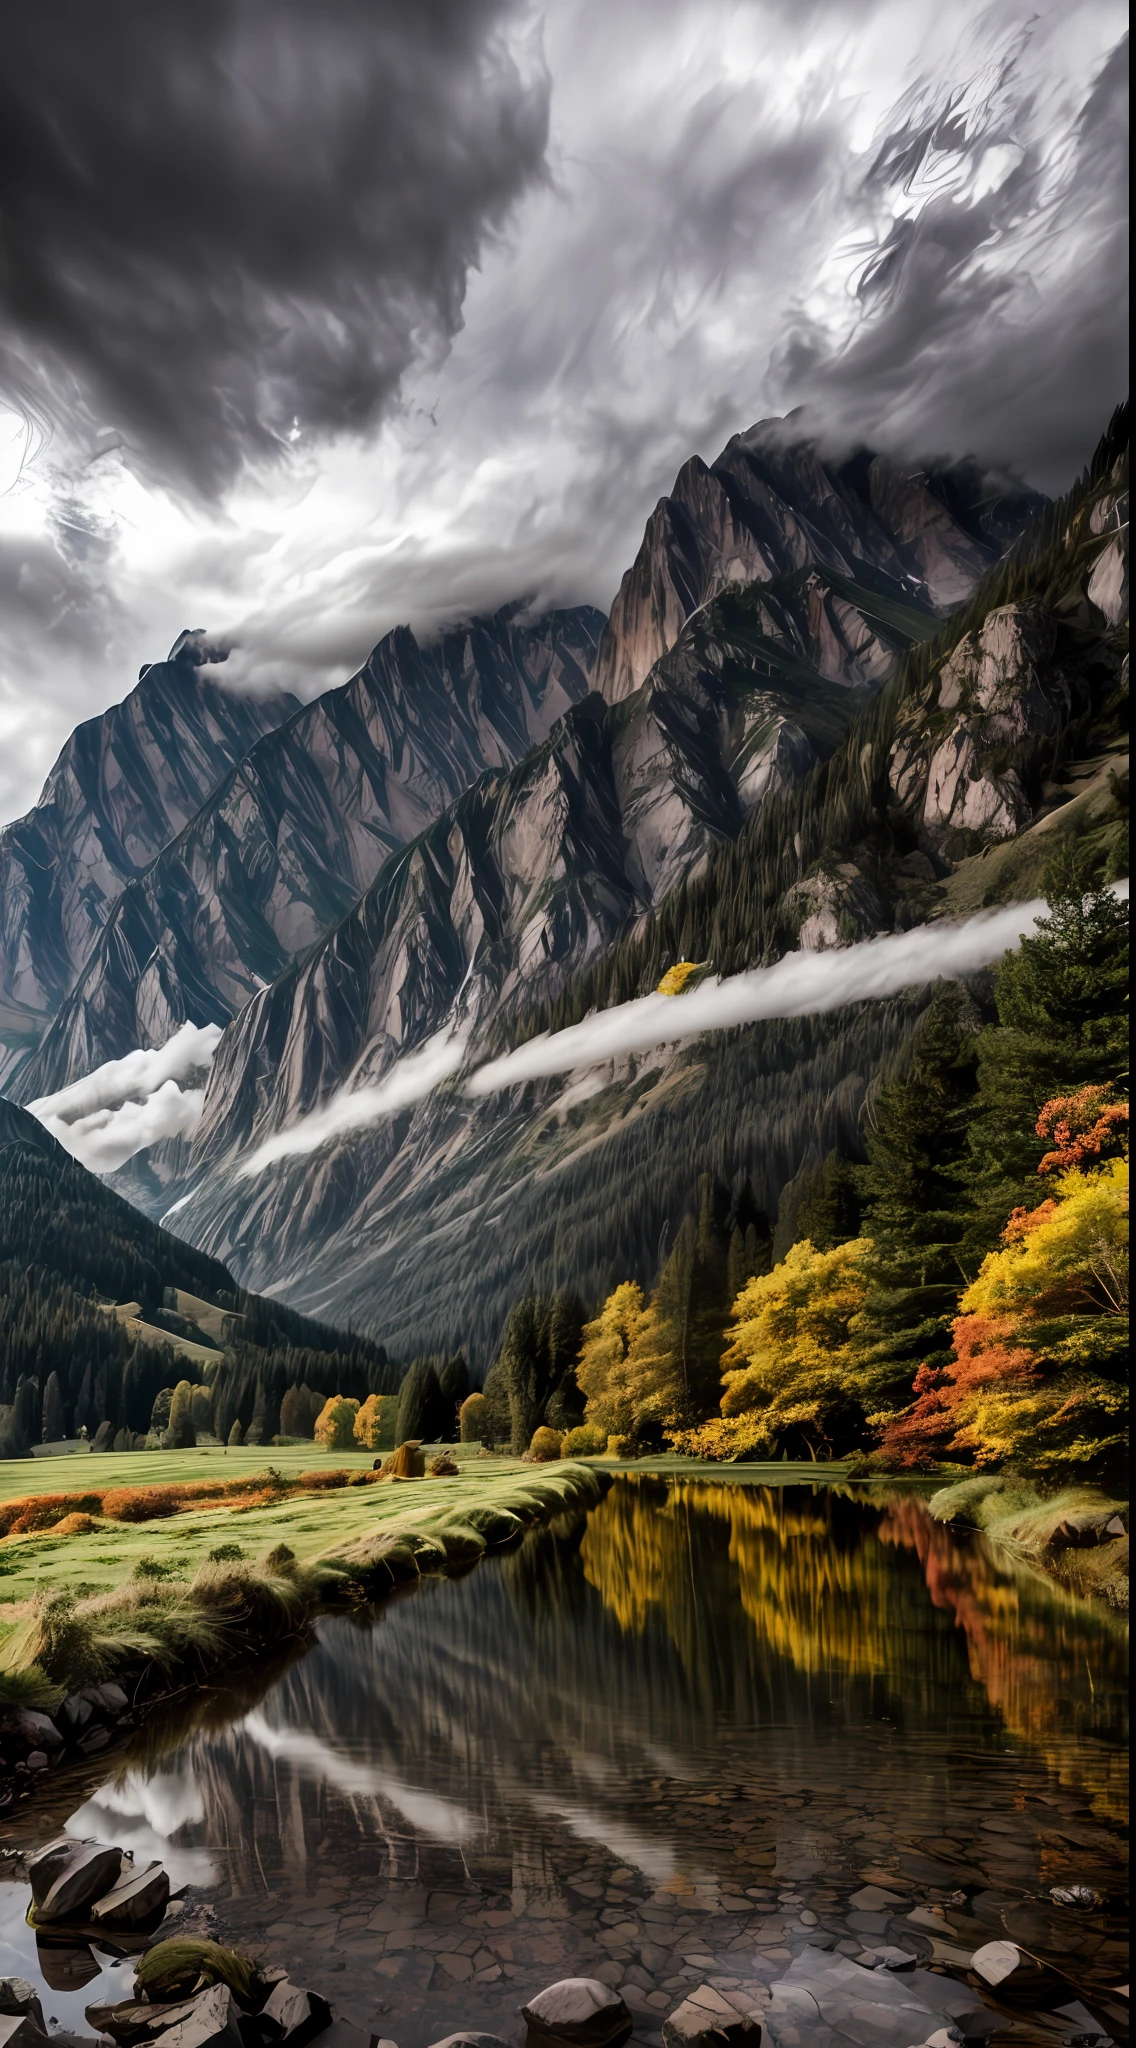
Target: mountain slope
70, 1250
284, 845
770, 507
505, 918
123, 785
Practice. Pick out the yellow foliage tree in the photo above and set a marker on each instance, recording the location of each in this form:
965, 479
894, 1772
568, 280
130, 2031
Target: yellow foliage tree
790, 1369
1040, 1367
335, 1424
610, 1369
367, 1428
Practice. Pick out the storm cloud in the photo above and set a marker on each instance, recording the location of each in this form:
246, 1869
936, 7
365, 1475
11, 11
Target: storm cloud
417, 309
229, 224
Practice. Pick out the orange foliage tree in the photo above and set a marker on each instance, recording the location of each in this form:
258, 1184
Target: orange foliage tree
1083, 1128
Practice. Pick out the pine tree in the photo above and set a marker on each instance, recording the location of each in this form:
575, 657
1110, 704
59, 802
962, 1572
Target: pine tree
1062, 1000
828, 1212
180, 1431
422, 1412
54, 1415
914, 1197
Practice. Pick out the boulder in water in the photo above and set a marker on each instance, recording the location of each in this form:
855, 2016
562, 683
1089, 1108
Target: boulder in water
711, 2019
579, 2012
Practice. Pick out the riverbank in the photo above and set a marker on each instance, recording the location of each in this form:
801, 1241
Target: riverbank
106, 1621
1078, 1536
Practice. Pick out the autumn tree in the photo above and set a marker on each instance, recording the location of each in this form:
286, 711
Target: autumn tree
335, 1424
610, 1388
1039, 1375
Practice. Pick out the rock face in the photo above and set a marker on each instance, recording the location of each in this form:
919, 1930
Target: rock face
527, 877
123, 785
769, 507
286, 842
578, 2012
956, 764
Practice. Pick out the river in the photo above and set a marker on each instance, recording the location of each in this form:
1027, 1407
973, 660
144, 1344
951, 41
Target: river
662, 1743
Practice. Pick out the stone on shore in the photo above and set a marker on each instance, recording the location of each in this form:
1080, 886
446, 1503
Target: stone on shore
67, 1879
711, 2019
298, 2015
579, 2012
213, 2021
138, 1899
21, 2030
827, 2001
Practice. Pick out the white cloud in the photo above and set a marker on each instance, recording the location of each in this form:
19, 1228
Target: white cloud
414, 1076
128, 1104
798, 986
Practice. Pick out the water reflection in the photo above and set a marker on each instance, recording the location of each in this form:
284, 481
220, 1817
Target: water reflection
640, 1739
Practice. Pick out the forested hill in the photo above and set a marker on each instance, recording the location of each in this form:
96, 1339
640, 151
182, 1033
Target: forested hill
100, 1309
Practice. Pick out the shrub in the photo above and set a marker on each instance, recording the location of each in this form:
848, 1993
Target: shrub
201, 1404
586, 1441
140, 1503
180, 1429
473, 1419
335, 1424
224, 1553
155, 1568
546, 1446
235, 1439
368, 1427
407, 1462
443, 1467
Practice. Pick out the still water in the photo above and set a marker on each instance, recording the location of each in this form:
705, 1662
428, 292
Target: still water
661, 1743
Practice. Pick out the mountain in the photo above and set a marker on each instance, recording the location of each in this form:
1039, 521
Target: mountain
770, 508
123, 785
100, 1309
734, 806
284, 844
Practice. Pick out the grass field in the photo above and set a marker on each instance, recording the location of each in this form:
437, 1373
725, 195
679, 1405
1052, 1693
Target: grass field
311, 1524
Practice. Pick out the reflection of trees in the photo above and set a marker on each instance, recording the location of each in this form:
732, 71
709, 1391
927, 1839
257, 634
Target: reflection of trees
1054, 1668
658, 1634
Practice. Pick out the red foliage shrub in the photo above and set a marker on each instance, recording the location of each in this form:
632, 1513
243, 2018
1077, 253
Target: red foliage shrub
140, 1503
932, 1427
1085, 1128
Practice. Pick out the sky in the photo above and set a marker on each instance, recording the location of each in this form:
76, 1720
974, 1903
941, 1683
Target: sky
315, 320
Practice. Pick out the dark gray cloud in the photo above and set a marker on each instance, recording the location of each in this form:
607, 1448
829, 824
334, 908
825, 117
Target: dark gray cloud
226, 219
994, 313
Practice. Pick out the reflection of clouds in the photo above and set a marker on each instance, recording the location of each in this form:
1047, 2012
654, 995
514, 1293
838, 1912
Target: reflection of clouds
442, 1817
655, 1859
143, 1814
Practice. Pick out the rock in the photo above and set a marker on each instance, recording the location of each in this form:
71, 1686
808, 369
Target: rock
943, 2037
467, 2040
1086, 1528
579, 2012
889, 1957
92, 1740
213, 2021
299, 2015
21, 2030
825, 1999
37, 1730
82, 1876
135, 2019
138, 1899
711, 2019
38, 1760
17, 1996
1081, 1895
110, 1696
872, 1898
1016, 1976
74, 1713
